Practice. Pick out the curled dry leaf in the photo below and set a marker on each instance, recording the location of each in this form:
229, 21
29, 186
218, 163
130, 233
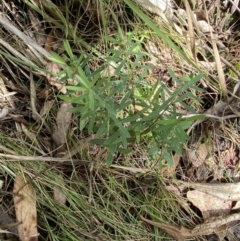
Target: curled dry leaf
224, 191
157, 7
25, 208
216, 225
3, 112
204, 26
179, 233
53, 40
209, 66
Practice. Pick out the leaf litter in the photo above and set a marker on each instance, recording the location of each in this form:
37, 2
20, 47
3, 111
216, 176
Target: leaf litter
25, 209
59, 136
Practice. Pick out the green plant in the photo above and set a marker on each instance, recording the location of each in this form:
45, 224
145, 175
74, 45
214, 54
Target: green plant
124, 109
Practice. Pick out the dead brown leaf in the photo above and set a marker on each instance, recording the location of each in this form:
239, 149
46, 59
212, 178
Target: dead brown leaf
197, 156
181, 233
53, 80
209, 205
60, 130
50, 40
170, 171
218, 226
224, 191
63, 122
25, 208
178, 233
46, 107
58, 193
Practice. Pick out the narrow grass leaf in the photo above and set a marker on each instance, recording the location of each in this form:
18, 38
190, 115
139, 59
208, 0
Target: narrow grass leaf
85, 61
82, 124
124, 151
154, 114
119, 67
221, 76
75, 109
109, 159
123, 105
97, 141
81, 99
112, 150
83, 81
131, 118
138, 136
112, 40
111, 112
65, 98
76, 88
91, 100
91, 124
102, 129
57, 58
158, 31
68, 48
168, 158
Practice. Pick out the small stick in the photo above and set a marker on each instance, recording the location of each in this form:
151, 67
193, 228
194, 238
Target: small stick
42, 158
211, 117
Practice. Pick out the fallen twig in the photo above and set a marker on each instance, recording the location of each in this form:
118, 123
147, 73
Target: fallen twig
42, 158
